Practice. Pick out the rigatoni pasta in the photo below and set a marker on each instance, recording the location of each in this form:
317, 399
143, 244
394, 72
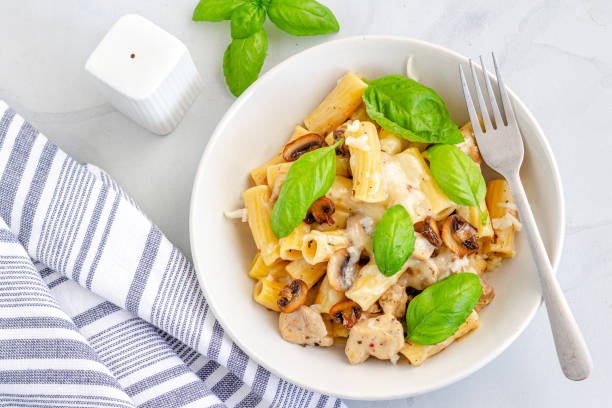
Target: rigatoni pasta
256, 201
366, 162
503, 214
318, 246
337, 106
291, 245
323, 274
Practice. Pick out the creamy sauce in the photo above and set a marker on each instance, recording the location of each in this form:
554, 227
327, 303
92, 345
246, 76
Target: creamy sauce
368, 224
459, 264
402, 187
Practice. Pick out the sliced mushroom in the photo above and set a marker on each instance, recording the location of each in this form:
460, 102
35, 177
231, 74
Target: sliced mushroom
321, 211
292, 296
303, 144
459, 235
341, 269
364, 259
346, 313
430, 231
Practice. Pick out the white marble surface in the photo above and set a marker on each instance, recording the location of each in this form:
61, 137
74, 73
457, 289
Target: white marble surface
556, 55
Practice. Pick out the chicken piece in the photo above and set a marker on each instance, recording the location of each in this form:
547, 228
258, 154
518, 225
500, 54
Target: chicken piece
381, 337
394, 300
304, 326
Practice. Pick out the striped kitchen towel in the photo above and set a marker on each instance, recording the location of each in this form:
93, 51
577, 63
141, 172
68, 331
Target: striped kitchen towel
97, 307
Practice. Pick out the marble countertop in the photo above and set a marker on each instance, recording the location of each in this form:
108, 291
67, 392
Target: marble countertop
556, 55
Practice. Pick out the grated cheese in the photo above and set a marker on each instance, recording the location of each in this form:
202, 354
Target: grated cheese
410, 69
507, 221
240, 213
360, 142
353, 126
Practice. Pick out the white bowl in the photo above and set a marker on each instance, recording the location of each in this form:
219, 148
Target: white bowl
255, 128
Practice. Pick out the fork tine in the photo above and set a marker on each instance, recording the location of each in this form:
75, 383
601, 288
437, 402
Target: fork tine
469, 103
496, 113
510, 118
486, 119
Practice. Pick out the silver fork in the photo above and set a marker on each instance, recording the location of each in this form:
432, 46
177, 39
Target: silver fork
501, 147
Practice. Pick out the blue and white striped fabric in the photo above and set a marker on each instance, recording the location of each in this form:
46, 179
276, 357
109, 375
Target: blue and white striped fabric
97, 307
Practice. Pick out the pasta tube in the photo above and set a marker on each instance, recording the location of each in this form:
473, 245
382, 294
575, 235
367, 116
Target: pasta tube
299, 131
410, 184
327, 296
275, 171
366, 163
259, 269
256, 200
310, 274
472, 216
258, 175
319, 246
370, 285
337, 106
417, 353
503, 214
291, 245
390, 142
266, 293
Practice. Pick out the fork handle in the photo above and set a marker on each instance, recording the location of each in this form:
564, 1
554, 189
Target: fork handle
572, 350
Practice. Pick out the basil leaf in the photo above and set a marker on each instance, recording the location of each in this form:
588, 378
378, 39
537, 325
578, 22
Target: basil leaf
247, 20
243, 60
302, 17
215, 10
458, 176
410, 110
393, 241
308, 179
436, 313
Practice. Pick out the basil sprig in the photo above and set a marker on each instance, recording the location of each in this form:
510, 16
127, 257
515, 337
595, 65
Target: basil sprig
458, 176
244, 57
308, 179
242, 61
393, 241
215, 10
247, 19
302, 17
410, 110
436, 313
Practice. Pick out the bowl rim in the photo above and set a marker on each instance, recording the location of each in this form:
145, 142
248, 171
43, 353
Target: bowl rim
215, 138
